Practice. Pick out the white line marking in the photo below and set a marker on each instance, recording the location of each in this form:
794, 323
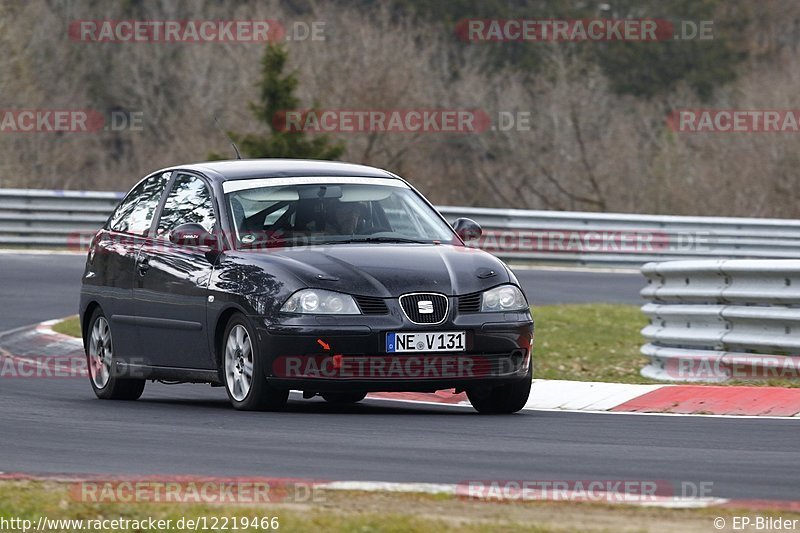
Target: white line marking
453, 490
385, 486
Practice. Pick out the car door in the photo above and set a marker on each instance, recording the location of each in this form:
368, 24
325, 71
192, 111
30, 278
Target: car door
110, 272
171, 287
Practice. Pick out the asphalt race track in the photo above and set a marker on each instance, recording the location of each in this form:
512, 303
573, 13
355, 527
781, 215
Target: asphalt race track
57, 426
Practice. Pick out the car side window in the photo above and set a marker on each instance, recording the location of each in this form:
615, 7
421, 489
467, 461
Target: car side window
189, 201
135, 213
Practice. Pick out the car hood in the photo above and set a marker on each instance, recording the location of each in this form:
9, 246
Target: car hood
388, 270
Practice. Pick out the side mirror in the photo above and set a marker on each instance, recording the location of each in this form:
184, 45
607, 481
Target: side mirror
467, 229
193, 235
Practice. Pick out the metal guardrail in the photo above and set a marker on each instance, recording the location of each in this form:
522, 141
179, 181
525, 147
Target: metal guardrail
723, 319
613, 238
30, 218
36, 218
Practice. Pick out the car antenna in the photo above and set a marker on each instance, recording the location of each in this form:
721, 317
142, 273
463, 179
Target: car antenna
225, 133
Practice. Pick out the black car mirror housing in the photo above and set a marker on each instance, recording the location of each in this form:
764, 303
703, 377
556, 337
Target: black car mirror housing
467, 229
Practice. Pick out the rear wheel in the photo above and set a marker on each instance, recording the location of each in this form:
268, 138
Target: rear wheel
504, 399
242, 374
106, 380
344, 397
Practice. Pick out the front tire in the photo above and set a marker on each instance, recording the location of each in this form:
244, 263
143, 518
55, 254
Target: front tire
505, 399
242, 372
104, 377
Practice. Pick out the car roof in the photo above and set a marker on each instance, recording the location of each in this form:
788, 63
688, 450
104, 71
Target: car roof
281, 168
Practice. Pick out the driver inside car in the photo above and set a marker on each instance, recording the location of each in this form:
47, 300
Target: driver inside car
346, 218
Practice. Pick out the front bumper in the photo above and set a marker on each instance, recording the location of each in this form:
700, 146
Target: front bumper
498, 351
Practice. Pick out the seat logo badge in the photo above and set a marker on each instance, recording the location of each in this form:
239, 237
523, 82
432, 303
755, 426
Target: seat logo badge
425, 307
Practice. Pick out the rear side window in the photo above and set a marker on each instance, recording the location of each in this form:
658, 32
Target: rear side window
135, 213
188, 201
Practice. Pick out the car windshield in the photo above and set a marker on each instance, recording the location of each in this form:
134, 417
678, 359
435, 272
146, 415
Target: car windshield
303, 213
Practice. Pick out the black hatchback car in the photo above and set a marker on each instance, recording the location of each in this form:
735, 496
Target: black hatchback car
265, 276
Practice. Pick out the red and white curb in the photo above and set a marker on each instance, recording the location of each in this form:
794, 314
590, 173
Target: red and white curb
589, 396
775, 402
41, 352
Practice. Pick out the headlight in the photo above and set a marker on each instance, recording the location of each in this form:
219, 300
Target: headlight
503, 298
320, 302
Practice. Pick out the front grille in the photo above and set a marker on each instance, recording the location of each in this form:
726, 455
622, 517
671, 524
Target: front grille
370, 305
415, 305
469, 303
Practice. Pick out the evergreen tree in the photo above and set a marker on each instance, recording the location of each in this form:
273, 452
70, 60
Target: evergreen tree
277, 96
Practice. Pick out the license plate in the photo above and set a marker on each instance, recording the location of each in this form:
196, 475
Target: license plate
435, 341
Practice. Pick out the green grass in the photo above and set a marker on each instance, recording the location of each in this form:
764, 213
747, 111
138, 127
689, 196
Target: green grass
579, 342
71, 326
589, 342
